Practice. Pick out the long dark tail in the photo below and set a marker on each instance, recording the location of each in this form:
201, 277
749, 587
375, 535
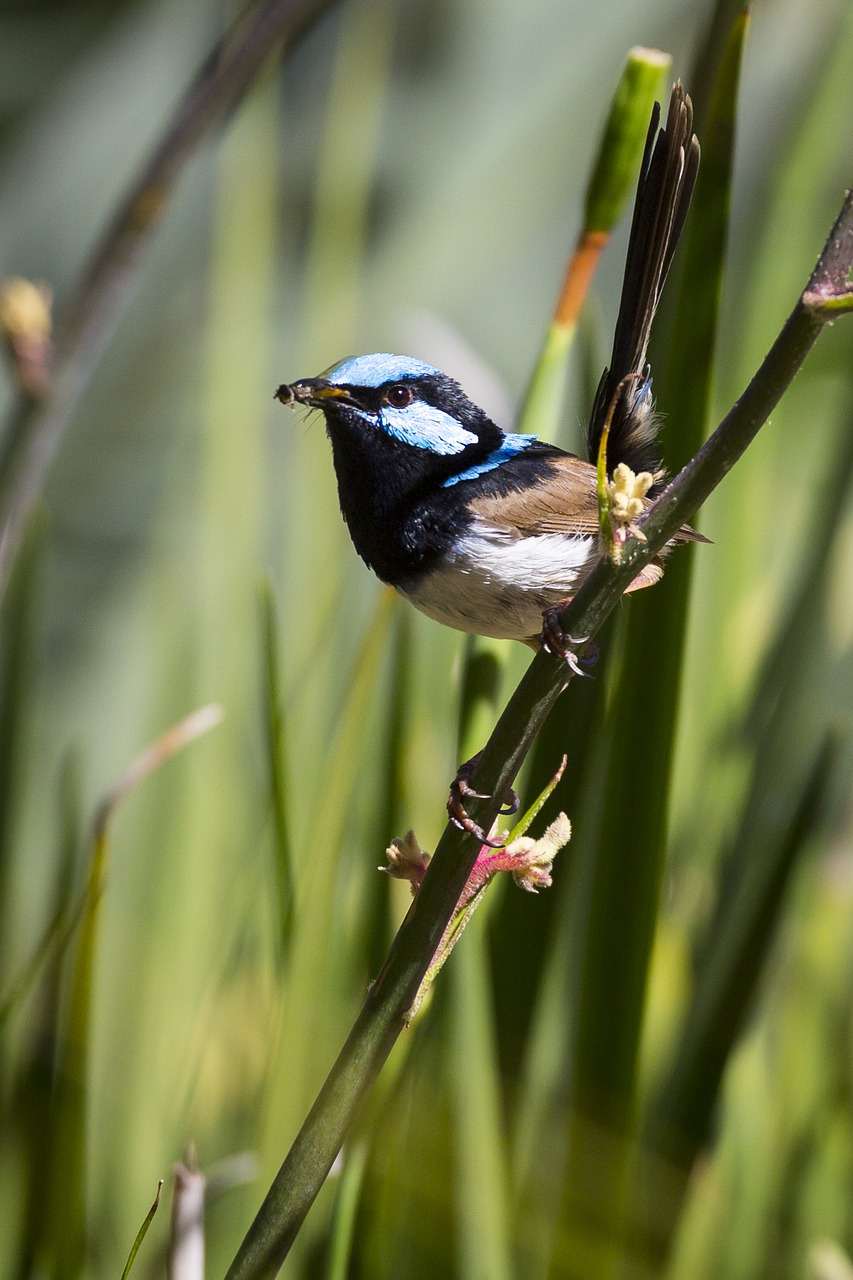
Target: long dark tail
667, 178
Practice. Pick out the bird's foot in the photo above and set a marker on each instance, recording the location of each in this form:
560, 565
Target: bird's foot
554, 640
461, 790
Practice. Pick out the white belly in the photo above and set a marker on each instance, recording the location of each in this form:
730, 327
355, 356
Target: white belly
494, 584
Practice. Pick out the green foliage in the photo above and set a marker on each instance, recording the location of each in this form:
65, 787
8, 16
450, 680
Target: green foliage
613, 176
142, 1232
644, 1067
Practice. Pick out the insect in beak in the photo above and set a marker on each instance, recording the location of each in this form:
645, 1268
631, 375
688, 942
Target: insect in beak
314, 392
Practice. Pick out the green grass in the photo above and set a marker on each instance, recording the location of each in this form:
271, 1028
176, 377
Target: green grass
670, 1022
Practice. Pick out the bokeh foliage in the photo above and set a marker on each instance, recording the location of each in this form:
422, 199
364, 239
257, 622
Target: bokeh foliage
413, 179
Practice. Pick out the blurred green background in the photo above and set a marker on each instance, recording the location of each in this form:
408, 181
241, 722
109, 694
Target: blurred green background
411, 178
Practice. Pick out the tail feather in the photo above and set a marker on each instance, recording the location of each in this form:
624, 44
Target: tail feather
665, 188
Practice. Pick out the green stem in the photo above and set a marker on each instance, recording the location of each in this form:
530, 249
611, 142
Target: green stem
612, 179
382, 1017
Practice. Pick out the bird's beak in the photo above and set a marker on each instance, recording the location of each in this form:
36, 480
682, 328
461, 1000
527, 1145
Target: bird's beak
315, 392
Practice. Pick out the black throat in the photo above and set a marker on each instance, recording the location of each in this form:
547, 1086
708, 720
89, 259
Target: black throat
400, 517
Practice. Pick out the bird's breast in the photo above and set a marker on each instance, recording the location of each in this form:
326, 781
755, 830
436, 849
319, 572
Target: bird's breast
495, 582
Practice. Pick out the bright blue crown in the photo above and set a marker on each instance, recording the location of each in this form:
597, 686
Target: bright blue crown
381, 366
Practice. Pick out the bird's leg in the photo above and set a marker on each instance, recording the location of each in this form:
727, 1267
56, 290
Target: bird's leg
461, 790
554, 640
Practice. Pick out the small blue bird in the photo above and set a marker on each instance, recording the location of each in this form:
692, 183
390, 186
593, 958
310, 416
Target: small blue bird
485, 530
489, 531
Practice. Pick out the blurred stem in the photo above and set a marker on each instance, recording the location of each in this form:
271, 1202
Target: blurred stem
378, 924
346, 175
277, 762
38, 424
709, 54
793, 642
68, 1181
626, 865
688, 368
482, 1176
69, 914
611, 182
346, 1208
54, 940
774, 833
186, 1244
315, 952
482, 1218
17, 618
356, 1162
382, 1017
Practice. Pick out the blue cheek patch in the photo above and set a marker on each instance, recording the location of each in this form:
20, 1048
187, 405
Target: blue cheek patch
422, 426
511, 447
381, 366
426, 427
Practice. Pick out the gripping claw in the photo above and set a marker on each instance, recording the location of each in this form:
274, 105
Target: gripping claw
554, 640
461, 790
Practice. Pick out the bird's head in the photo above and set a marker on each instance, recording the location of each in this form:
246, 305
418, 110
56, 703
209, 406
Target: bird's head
394, 407
404, 436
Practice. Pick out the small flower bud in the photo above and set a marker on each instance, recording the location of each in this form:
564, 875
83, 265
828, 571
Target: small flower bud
407, 861
626, 492
25, 309
25, 324
533, 859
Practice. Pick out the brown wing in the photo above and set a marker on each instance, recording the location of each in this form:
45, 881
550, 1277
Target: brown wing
563, 501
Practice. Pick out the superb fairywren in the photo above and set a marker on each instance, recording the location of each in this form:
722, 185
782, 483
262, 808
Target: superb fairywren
488, 531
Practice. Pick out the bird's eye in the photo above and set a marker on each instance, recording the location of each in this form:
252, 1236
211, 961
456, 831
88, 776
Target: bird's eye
400, 396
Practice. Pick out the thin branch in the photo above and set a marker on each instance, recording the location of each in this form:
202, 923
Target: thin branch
382, 1017
38, 423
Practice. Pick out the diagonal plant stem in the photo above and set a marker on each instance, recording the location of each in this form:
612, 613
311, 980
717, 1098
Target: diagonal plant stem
38, 424
382, 1017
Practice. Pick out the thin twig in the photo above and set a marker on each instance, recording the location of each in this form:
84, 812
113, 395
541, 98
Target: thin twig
383, 1015
162, 749
38, 423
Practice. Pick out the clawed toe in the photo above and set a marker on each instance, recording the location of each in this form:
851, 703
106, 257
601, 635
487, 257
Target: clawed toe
513, 804
460, 791
554, 640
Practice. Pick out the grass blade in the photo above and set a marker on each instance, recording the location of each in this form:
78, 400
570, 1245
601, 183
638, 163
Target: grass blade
481, 1149
769, 846
346, 1209
142, 1232
68, 1180
623, 892
611, 182
390, 811
277, 760
481, 1191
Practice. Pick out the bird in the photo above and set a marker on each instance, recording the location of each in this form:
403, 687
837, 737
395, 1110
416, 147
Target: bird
490, 531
